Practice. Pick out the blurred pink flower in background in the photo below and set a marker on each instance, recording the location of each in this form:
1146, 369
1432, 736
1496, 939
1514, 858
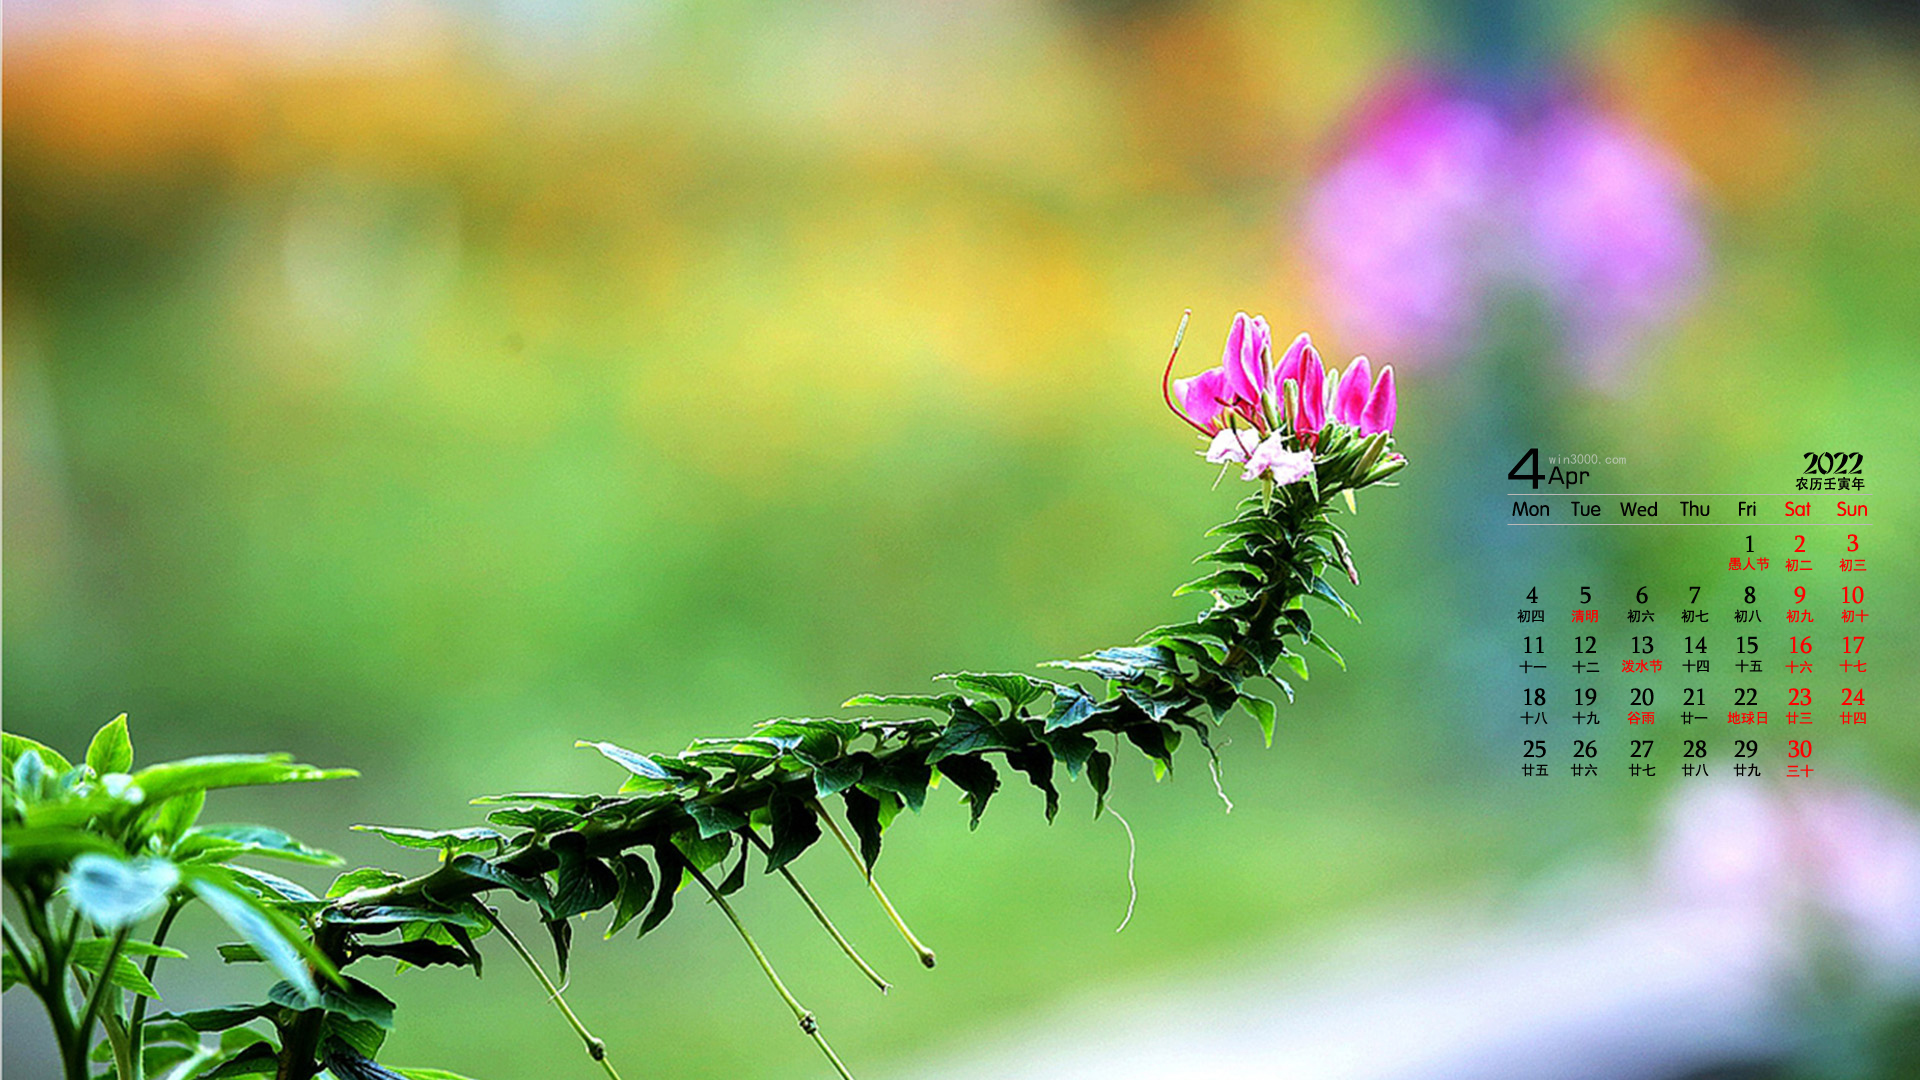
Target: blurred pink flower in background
1847, 853
1439, 200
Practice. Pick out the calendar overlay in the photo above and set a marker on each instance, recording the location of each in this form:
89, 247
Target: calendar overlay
1760, 658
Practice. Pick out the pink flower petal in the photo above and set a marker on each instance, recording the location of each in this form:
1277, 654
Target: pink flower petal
1381, 405
1350, 401
1200, 397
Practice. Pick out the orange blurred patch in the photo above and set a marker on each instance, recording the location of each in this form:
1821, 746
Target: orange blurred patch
1729, 101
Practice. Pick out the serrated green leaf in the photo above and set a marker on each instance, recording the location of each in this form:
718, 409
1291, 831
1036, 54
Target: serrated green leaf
1068, 710
975, 776
1037, 763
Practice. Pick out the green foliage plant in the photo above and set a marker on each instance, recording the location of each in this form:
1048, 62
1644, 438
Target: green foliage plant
100, 858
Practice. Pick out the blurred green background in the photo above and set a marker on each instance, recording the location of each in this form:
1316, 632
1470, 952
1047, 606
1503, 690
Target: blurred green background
424, 388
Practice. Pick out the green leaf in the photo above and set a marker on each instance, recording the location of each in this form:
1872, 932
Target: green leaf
117, 893
901, 775
10, 973
91, 955
1015, 689
420, 952
538, 818
380, 917
176, 815
276, 890
636, 763
156, 1060
1318, 587
530, 888
13, 746
969, 733
363, 1036
265, 930
975, 776
582, 884
561, 931
1157, 740
220, 1019
22, 847
673, 871
112, 748
578, 804
1327, 648
863, 813
258, 1059
1228, 578
366, 877
795, 829
1070, 748
429, 1074
715, 818
737, 877
240, 953
262, 840
172, 778
1262, 712
1036, 762
918, 701
468, 839
636, 888
833, 777
703, 852
1069, 709
352, 999
1100, 775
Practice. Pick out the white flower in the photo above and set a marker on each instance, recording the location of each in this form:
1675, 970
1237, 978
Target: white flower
1273, 458
1233, 444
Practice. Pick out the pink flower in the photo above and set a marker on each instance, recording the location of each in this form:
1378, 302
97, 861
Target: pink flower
1381, 406
1203, 398
1350, 400
1313, 396
1249, 344
1274, 459
1289, 365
